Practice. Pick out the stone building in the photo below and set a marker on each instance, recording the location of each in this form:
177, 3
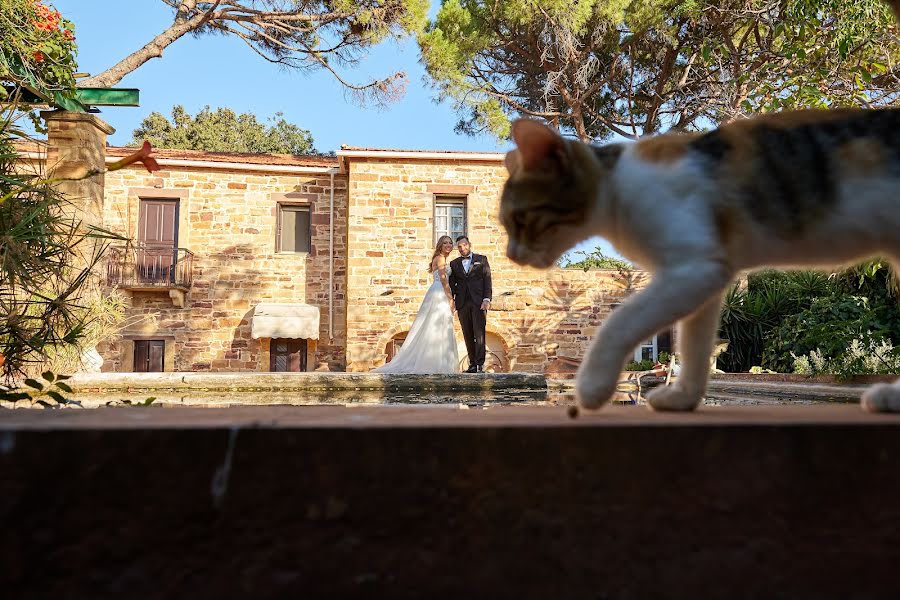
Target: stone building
243, 262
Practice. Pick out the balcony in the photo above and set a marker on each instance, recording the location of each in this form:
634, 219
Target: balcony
139, 268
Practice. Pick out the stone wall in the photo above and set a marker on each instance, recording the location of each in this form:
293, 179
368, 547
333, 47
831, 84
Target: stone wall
536, 315
228, 220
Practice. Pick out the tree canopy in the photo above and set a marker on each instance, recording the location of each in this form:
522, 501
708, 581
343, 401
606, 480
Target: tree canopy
597, 68
223, 130
595, 259
298, 34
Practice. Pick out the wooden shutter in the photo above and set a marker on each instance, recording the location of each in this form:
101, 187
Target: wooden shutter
294, 230
149, 356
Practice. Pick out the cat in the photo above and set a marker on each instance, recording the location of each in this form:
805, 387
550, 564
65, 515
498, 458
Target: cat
808, 188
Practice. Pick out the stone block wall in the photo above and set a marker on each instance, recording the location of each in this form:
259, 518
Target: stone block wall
536, 315
76, 143
228, 220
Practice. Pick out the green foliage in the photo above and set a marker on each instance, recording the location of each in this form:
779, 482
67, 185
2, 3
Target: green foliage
37, 48
223, 130
643, 365
785, 314
828, 326
750, 315
46, 260
631, 68
596, 259
49, 391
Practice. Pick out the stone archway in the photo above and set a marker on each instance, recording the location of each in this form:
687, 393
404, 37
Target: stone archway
496, 349
386, 341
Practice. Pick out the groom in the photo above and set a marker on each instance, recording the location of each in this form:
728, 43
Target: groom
470, 282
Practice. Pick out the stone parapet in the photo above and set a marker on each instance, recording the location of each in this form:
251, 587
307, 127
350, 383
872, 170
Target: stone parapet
334, 502
299, 382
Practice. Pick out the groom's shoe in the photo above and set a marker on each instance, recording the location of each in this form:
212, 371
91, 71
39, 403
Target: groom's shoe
480, 368
472, 369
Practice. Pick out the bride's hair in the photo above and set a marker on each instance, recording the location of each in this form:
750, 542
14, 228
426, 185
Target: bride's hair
437, 248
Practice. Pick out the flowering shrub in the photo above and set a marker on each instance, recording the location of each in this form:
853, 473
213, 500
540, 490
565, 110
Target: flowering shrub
864, 356
37, 47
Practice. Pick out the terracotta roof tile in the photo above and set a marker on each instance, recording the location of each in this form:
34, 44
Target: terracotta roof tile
236, 157
367, 149
200, 155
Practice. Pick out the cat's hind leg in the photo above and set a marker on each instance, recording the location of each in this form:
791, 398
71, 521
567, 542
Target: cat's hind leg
882, 397
696, 339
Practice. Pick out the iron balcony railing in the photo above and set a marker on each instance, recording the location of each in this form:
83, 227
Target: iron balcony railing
136, 267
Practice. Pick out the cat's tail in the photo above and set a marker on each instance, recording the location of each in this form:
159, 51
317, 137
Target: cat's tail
895, 5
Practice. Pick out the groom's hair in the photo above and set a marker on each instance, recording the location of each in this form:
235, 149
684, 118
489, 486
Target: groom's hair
462, 237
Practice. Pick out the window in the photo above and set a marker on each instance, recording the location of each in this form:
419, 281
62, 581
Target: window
149, 356
293, 233
652, 348
287, 355
646, 351
449, 217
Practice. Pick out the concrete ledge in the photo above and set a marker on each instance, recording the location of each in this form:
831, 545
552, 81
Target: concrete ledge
788, 390
399, 502
743, 385
257, 382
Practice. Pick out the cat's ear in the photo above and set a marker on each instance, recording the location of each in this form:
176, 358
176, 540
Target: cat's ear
538, 144
511, 162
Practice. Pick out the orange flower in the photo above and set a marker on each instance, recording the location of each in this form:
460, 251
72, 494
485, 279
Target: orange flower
38, 56
142, 156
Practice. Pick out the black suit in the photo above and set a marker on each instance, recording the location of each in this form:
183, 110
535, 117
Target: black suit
469, 291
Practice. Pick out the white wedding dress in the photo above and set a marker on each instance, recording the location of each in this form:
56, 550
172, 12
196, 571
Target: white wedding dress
430, 345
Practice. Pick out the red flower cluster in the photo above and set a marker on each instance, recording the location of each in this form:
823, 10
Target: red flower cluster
48, 20
38, 56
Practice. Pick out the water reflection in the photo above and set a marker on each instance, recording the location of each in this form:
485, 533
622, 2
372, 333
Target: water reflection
436, 399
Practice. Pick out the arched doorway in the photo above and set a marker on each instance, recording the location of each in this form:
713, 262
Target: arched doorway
495, 360
393, 346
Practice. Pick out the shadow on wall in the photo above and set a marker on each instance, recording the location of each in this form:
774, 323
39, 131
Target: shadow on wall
555, 314
234, 287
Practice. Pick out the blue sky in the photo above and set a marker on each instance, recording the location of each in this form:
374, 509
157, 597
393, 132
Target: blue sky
221, 71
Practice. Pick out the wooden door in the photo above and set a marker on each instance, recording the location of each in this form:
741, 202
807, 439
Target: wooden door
149, 356
157, 241
287, 355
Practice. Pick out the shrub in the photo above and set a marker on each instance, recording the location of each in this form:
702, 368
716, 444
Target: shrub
863, 356
829, 326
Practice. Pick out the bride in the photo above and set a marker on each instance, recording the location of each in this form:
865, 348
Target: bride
430, 345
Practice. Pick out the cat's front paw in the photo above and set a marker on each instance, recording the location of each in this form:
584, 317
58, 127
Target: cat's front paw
673, 398
881, 397
592, 394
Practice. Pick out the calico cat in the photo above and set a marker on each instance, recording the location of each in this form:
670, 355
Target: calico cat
807, 188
